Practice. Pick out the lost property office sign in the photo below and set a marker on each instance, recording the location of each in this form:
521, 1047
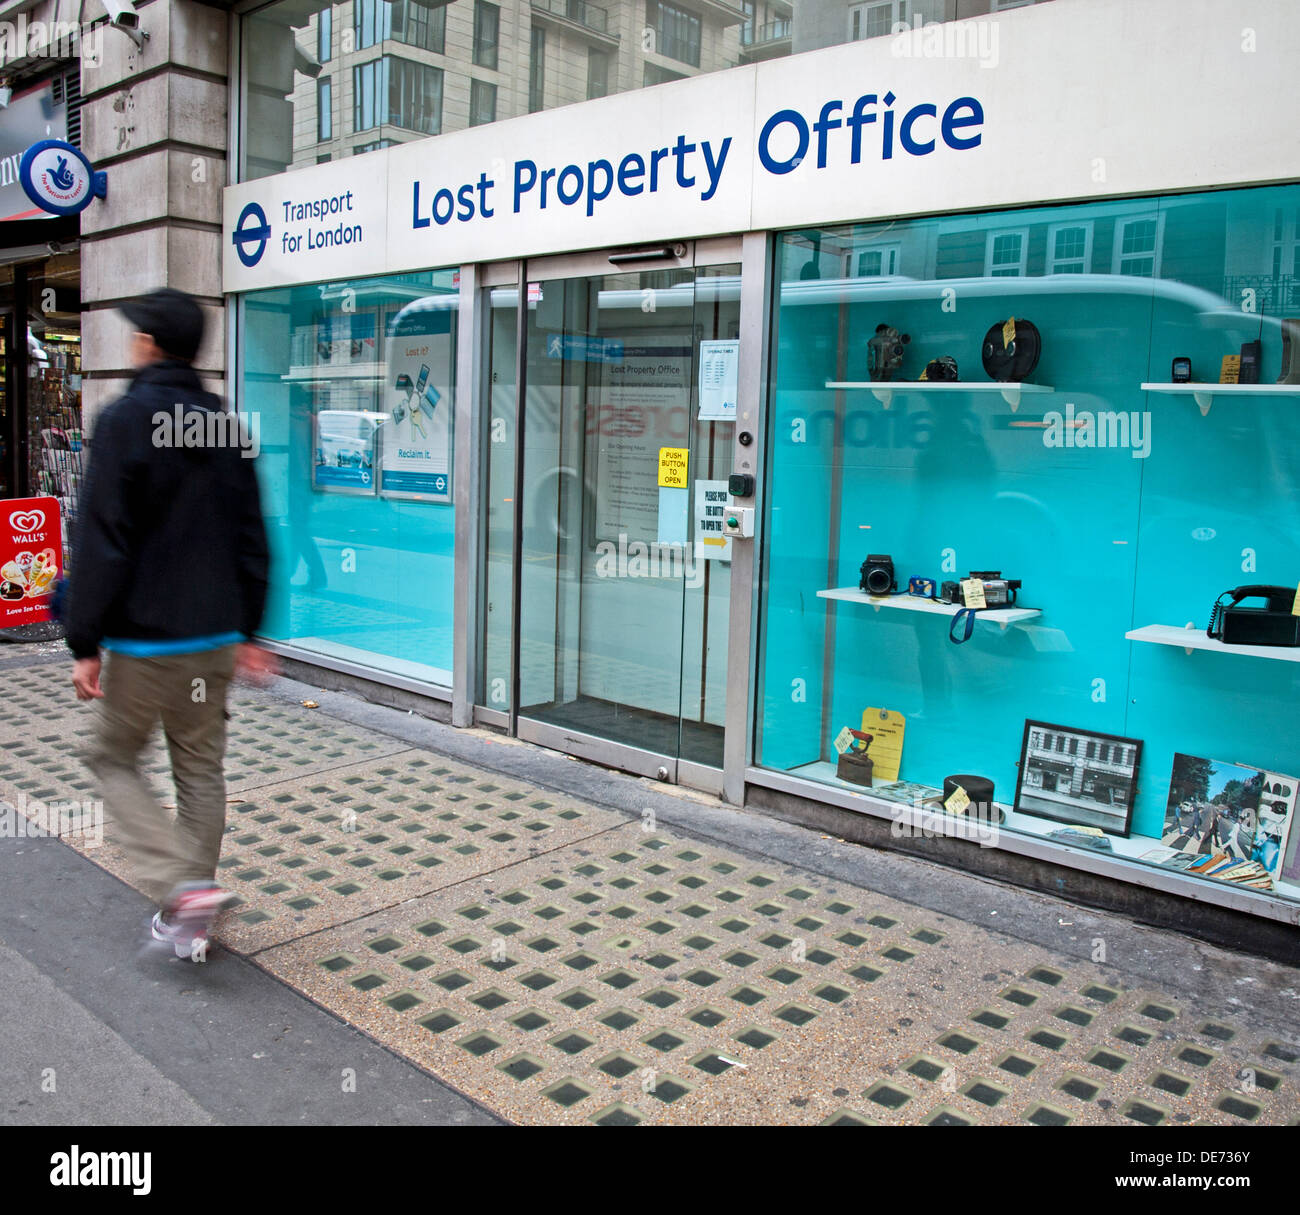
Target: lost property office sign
842, 134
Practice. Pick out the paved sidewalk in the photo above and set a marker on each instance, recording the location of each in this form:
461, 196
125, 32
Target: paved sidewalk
564, 944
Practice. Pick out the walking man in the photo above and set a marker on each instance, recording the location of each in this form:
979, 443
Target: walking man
169, 576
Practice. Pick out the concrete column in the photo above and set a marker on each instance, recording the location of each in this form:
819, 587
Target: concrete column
155, 119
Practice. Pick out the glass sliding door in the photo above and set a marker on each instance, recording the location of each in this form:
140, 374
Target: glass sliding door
623, 576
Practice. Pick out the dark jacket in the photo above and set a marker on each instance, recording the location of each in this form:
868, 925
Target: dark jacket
170, 542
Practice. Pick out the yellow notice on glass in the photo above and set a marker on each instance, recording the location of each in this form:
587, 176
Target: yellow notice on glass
886, 750
1009, 332
972, 590
672, 467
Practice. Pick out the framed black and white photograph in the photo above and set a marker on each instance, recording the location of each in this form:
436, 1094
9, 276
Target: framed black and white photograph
1078, 776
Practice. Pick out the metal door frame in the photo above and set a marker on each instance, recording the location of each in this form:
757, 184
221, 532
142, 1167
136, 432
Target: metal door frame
751, 252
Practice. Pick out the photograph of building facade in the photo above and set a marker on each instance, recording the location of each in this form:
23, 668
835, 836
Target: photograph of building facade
1078, 777
461, 420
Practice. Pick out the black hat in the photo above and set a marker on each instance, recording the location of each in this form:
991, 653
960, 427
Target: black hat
172, 318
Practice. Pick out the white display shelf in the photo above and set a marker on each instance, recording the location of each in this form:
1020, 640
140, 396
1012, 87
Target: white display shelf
346, 371
910, 603
1204, 393
1192, 638
885, 390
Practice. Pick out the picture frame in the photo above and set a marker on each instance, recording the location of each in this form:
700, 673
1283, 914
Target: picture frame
1078, 776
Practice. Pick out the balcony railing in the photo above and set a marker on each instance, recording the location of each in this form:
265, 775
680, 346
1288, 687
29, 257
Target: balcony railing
591, 15
772, 31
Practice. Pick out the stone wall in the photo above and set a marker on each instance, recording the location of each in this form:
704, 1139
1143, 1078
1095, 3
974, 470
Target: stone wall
155, 118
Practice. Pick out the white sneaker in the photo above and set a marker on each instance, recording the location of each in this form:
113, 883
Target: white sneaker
190, 911
193, 947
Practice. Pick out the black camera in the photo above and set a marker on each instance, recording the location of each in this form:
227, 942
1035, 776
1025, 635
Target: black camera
942, 370
998, 591
878, 575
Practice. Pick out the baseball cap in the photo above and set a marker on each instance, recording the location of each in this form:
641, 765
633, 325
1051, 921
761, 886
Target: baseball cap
172, 318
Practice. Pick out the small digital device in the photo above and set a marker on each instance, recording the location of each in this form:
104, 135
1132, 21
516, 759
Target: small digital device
1250, 359
1181, 371
924, 588
877, 575
424, 378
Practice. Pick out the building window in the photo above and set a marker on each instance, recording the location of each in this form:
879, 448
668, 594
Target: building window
1137, 246
876, 19
421, 25
537, 70
487, 25
878, 262
408, 21
367, 79
324, 34
374, 145
324, 110
1069, 248
597, 73
482, 102
677, 32
372, 21
1006, 254
654, 74
399, 92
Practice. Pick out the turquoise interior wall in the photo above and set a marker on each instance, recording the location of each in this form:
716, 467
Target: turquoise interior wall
1104, 541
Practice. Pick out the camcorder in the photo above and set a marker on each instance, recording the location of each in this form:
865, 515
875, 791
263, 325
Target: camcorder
885, 352
998, 591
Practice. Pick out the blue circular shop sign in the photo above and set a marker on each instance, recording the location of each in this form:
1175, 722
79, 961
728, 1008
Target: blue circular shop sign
58, 178
251, 234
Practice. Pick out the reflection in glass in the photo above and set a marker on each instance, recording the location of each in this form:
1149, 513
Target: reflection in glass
351, 387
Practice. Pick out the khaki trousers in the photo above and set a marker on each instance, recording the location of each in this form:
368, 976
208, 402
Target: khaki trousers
187, 692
